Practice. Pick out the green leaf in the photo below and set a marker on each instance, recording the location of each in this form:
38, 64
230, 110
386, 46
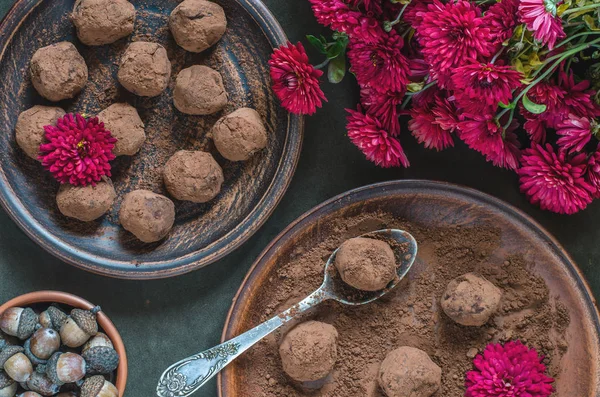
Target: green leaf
511, 105
315, 42
415, 87
337, 69
590, 22
533, 107
338, 47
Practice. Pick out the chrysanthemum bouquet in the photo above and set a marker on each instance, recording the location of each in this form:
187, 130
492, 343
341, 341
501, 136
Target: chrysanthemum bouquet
498, 75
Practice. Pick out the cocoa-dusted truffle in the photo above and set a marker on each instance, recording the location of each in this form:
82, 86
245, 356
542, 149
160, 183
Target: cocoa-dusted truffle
124, 123
409, 372
149, 216
145, 69
199, 90
193, 176
86, 203
365, 263
471, 300
197, 24
58, 71
309, 351
240, 134
29, 131
101, 22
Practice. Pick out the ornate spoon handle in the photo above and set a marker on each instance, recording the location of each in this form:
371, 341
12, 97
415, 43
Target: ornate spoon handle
188, 375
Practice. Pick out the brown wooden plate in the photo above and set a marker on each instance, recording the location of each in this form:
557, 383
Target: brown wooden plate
431, 204
202, 233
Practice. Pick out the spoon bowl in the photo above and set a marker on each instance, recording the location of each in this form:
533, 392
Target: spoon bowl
404, 246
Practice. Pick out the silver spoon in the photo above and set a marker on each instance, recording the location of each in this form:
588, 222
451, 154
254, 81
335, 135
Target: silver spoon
188, 375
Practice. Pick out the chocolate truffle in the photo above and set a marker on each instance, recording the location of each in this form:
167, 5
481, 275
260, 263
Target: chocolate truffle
197, 24
58, 71
309, 351
366, 264
124, 123
149, 216
471, 300
145, 69
409, 372
29, 131
199, 90
101, 22
193, 176
86, 203
240, 134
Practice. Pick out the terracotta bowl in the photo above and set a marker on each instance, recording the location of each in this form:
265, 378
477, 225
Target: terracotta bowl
74, 301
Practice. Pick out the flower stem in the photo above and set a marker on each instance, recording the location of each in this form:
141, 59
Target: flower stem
497, 55
322, 64
584, 8
425, 88
569, 39
388, 25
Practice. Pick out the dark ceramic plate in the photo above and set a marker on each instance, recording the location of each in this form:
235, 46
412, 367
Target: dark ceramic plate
202, 233
431, 204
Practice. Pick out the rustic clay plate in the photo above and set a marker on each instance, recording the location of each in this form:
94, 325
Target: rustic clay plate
202, 233
430, 204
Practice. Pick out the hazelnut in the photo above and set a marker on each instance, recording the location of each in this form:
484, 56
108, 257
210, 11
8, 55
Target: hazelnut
19, 322
65, 368
101, 360
42, 345
8, 387
53, 318
97, 386
79, 327
41, 384
15, 363
99, 340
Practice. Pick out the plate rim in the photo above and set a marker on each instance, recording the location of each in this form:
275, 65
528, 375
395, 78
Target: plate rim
226, 244
427, 185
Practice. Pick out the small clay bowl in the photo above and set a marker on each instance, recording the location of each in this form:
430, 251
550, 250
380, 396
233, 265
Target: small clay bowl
76, 302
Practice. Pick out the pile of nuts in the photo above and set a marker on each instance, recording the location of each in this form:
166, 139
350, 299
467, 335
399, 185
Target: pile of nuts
55, 354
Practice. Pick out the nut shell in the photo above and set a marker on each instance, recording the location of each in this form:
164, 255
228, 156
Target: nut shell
86, 319
10, 389
9, 321
44, 343
65, 368
99, 340
8, 352
29, 394
53, 318
101, 360
41, 384
97, 386
18, 367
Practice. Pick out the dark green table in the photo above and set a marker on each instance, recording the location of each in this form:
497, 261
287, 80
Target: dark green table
164, 321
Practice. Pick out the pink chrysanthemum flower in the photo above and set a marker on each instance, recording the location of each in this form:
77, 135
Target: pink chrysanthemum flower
412, 14
384, 106
592, 175
484, 134
551, 95
577, 96
78, 151
501, 18
381, 65
446, 114
540, 18
485, 82
452, 35
509, 370
427, 130
555, 181
295, 80
370, 136
575, 132
338, 15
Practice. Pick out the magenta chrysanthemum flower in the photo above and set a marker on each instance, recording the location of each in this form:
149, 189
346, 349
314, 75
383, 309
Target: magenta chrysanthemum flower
501, 18
380, 65
295, 80
384, 106
446, 114
592, 175
485, 82
338, 15
575, 132
78, 151
540, 18
452, 35
427, 130
577, 96
555, 181
485, 134
370, 136
509, 370
412, 14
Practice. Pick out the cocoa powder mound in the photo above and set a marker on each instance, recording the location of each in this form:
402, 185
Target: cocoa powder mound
410, 315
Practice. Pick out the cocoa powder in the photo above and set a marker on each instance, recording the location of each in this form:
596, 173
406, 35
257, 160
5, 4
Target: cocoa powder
410, 315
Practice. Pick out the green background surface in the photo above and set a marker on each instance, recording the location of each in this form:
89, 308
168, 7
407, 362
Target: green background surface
165, 321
